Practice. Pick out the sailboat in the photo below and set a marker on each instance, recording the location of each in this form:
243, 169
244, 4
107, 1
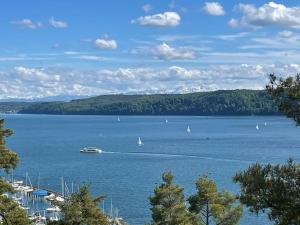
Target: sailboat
265, 123
119, 119
257, 127
167, 121
188, 129
140, 143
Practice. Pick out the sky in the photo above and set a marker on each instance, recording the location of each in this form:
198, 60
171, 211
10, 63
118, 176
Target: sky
92, 47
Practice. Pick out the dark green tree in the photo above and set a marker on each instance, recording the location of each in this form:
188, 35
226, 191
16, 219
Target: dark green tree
274, 189
168, 204
9, 160
287, 95
82, 209
212, 206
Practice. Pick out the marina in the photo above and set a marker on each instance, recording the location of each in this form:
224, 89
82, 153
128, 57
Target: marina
41, 204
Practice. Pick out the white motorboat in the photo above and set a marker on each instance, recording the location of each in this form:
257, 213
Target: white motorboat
91, 150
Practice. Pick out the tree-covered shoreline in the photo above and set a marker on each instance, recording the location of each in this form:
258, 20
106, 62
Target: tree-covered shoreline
215, 103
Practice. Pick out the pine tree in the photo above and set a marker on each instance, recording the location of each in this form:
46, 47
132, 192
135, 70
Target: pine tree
213, 207
9, 160
274, 189
168, 204
287, 95
82, 209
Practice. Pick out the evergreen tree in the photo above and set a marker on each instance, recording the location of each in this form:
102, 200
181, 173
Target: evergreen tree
287, 95
274, 189
81, 209
168, 204
213, 207
9, 160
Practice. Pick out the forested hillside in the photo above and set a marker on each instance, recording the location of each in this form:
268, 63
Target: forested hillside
230, 102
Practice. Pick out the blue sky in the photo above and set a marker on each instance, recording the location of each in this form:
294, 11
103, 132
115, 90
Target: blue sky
92, 47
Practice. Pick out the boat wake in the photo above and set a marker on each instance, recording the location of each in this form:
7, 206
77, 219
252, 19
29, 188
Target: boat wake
181, 156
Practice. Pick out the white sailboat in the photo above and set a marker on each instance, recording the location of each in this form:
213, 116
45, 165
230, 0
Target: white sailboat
119, 119
140, 143
167, 121
257, 127
188, 129
265, 124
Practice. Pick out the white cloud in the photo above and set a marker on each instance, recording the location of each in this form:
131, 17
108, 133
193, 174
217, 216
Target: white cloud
27, 24
214, 8
71, 53
89, 57
269, 14
36, 74
57, 23
105, 43
233, 23
32, 82
166, 19
167, 52
147, 7
232, 37
285, 34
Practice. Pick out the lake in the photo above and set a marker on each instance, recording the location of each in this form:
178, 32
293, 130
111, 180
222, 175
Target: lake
49, 147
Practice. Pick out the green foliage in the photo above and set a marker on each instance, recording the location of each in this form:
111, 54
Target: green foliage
13, 213
272, 189
8, 160
232, 102
82, 209
168, 204
13, 107
213, 207
287, 95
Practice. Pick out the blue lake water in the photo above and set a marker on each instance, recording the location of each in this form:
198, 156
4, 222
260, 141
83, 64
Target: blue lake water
220, 146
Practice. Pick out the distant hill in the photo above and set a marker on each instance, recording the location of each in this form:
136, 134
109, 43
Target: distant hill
13, 107
223, 102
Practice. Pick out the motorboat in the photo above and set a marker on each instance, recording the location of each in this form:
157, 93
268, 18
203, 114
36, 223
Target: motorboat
90, 150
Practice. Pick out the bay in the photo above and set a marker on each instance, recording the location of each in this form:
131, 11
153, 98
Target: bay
126, 173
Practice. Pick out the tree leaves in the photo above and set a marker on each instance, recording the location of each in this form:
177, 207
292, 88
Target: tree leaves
272, 189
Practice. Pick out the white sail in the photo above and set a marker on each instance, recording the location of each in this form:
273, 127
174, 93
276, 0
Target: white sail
140, 143
167, 121
119, 119
265, 123
188, 129
257, 127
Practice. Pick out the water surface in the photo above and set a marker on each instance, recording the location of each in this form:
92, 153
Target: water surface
127, 173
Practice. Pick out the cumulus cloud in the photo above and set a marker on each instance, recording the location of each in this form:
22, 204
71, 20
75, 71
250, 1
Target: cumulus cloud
27, 24
166, 52
269, 14
147, 7
105, 43
214, 8
166, 19
57, 23
32, 82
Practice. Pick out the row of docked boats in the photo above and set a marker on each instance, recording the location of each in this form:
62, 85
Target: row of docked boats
38, 203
